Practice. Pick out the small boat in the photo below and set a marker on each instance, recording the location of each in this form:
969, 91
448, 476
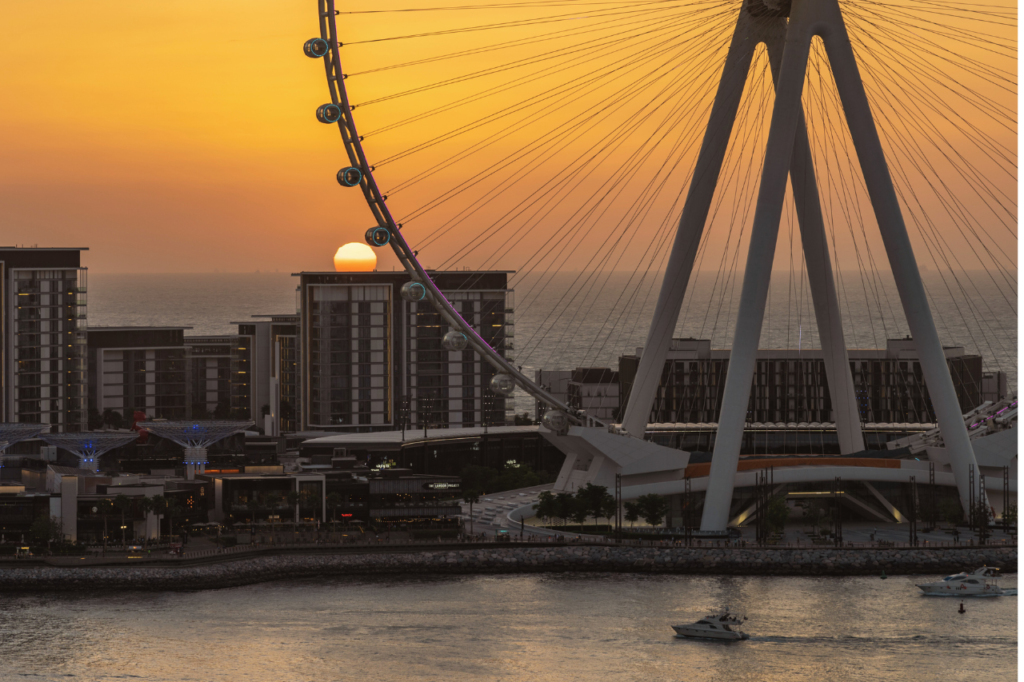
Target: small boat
978, 583
714, 627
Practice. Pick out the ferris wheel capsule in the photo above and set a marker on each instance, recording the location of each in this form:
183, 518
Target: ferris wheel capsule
378, 236
349, 177
413, 291
315, 48
328, 113
454, 340
503, 384
555, 420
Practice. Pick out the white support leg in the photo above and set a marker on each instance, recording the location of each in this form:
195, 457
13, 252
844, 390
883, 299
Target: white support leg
749, 32
898, 247
819, 275
763, 238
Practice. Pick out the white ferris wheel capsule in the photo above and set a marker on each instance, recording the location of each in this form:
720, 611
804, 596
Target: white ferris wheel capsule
455, 340
555, 420
503, 384
315, 48
413, 291
328, 113
378, 236
349, 177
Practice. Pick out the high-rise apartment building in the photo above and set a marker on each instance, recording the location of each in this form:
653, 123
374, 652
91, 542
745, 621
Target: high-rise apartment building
210, 361
138, 369
373, 361
43, 327
268, 349
790, 386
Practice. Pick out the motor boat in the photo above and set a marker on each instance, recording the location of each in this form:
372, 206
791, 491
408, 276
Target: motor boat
979, 583
726, 627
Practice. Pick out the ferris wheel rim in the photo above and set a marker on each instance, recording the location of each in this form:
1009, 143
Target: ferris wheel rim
377, 203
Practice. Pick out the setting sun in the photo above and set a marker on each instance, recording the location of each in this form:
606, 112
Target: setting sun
355, 257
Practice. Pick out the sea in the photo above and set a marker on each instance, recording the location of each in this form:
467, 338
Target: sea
565, 320
512, 628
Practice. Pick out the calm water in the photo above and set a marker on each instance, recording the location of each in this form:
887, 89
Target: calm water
558, 628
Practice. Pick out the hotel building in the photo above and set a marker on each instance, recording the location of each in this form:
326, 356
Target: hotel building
372, 361
138, 369
43, 327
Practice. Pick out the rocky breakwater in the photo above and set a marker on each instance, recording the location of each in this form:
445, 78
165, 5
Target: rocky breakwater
511, 559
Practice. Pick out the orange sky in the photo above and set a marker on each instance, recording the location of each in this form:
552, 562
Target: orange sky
180, 137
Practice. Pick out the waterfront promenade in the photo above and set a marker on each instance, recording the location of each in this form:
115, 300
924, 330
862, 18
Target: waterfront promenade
253, 564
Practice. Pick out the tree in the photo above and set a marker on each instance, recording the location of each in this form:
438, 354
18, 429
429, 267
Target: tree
546, 506
609, 508
591, 499
307, 499
982, 516
105, 508
158, 505
776, 514
113, 418
813, 514
653, 508
172, 507
253, 505
123, 504
146, 506
563, 506
472, 497
47, 529
523, 419
951, 511
293, 499
95, 419
579, 512
632, 512
1010, 515
334, 500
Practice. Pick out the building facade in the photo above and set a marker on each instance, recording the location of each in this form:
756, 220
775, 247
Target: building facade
268, 352
372, 361
209, 362
790, 386
43, 327
138, 369
595, 390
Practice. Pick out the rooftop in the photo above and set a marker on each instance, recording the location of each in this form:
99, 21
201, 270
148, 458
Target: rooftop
417, 436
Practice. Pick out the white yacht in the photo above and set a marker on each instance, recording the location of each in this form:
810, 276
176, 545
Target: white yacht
714, 627
979, 583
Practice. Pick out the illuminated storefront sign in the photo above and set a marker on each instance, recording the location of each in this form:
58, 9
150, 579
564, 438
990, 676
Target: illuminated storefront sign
448, 485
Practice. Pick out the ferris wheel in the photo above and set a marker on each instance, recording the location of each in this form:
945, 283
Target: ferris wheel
568, 132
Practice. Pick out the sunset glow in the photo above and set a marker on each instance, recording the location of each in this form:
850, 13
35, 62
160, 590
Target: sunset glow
355, 257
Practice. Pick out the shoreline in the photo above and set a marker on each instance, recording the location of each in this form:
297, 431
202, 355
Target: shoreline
221, 571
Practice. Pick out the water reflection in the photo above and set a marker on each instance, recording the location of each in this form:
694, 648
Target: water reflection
544, 627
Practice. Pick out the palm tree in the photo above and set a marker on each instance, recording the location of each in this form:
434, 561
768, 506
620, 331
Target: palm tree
105, 508
334, 500
123, 504
294, 498
146, 507
173, 507
272, 501
472, 497
158, 505
253, 505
